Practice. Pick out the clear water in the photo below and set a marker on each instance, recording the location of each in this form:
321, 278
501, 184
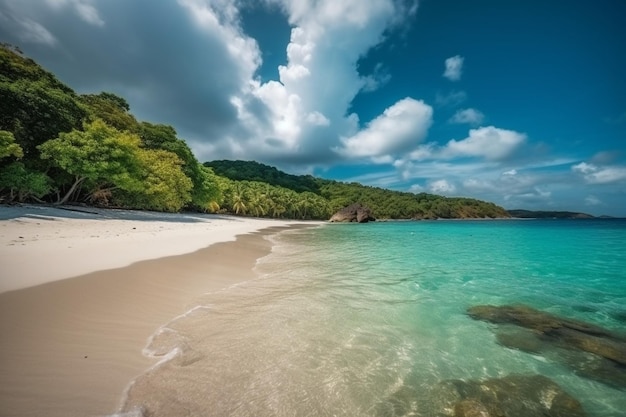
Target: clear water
345, 315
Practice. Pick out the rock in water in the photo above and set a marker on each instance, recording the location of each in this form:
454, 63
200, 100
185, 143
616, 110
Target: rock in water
353, 213
598, 353
511, 396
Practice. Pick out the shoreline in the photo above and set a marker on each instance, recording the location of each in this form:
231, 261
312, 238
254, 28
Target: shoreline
71, 347
40, 244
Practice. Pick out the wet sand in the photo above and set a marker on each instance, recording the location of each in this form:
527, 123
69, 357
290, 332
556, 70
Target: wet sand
71, 347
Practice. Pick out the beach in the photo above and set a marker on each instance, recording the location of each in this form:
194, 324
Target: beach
82, 291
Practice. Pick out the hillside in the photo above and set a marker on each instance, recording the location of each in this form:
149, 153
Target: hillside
528, 214
385, 204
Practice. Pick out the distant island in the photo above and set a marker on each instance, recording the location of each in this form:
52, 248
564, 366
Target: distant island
529, 214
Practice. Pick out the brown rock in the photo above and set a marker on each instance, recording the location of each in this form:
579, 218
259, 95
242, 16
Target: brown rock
559, 335
353, 213
511, 396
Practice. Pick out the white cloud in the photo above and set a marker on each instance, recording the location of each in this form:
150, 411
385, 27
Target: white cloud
535, 195
468, 116
594, 174
454, 68
399, 128
223, 110
85, 9
306, 104
488, 142
451, 99
416, 188
317, 118
376, 80
441, 187
592, 200
32, 31
24, 27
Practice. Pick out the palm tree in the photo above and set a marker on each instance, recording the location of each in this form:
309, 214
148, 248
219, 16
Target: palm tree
238, 199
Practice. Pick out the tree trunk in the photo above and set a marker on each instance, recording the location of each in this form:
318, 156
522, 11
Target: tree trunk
74, 187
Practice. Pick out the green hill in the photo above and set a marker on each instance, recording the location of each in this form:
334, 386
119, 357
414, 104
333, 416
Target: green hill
385, 204
528, 214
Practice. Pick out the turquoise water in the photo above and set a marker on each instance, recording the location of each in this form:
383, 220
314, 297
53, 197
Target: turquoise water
344, 316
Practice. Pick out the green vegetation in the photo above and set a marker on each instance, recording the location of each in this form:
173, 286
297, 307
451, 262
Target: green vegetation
385, 204
59, 147
527, 214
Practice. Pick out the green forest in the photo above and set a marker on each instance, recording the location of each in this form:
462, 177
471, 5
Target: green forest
60, 147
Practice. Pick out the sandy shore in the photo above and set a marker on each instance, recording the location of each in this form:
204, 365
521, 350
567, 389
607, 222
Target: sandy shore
69, 347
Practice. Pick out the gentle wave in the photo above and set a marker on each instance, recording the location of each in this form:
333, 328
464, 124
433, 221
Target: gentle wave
344, 316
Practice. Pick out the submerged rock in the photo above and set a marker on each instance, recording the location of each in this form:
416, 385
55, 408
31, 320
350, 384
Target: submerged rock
511, 396
594, 352
353, 213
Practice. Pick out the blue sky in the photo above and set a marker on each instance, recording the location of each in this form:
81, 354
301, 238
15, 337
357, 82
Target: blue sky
522, 103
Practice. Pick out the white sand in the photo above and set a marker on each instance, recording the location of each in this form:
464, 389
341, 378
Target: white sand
69, 347
41, 244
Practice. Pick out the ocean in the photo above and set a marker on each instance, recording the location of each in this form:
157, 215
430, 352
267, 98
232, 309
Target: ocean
370, 319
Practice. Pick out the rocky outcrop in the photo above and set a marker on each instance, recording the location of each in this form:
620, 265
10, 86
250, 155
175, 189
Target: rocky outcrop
591, 351
510, 396
353, 213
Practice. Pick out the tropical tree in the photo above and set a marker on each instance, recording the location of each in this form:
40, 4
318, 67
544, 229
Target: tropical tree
18, 183
163, 184
205, 191
8, 147
100, 156
238, 199
112, 109
35, 105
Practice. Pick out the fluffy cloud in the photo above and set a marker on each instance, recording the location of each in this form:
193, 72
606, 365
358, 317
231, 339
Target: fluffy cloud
594, 174
468, 116
488, 142
454, 68
441, 187
329, 37
398, 129
189, 63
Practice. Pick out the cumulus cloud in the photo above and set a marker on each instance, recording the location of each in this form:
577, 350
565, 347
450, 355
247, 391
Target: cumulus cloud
488, 142
441, 186
398, 129
468, 116
328, 37
190, 64
594, 174
454, 68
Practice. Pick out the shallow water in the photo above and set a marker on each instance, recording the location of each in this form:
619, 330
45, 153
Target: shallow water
343, 316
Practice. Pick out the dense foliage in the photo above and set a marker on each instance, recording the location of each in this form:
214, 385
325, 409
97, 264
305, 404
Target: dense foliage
60, 147
385, 204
